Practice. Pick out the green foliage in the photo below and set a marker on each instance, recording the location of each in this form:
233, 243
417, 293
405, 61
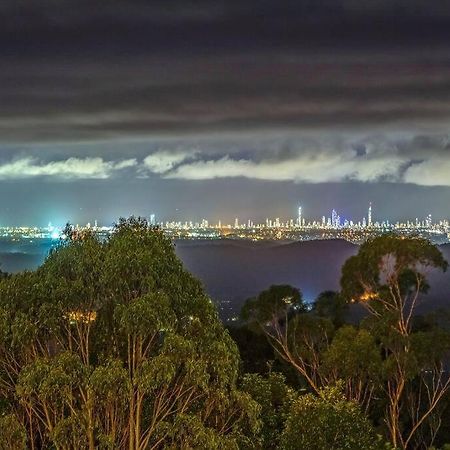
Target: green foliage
331, 305
110, 383
382, 258
149, 314
70, 432
112, 343
275, 399
273, 303
429, 347
256, 352
309, 335
391, 365
355, 356
388, 276
51, 379
328, 421
188, 431
12, 433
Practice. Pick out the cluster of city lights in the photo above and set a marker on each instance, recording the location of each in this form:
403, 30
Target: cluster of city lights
299, 228
334, 221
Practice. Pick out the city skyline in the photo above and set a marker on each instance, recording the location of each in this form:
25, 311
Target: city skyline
332, 220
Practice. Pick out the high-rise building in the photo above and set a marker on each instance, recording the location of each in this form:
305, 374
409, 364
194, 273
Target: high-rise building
152, 219
334, 218
369, 215
299, 218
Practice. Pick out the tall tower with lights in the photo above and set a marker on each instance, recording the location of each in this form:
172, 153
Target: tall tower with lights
369, 215
299, 217
334, 219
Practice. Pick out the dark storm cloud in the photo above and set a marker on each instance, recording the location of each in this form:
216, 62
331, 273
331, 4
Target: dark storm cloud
92, 100
83, 70
228, 22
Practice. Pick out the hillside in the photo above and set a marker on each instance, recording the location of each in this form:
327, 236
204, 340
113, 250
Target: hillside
235, 271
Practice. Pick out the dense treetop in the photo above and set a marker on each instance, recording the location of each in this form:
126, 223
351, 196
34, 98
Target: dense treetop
112, 343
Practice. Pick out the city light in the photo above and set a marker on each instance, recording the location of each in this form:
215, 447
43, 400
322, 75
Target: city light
333, 226
299, 229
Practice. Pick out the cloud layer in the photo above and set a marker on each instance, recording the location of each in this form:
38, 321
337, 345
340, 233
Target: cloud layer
422, 160
68, 169
289, 89
164, 161
82, 71
417, 159
306, 168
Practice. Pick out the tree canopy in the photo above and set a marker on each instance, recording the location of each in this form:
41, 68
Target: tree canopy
273, 304
390, 364
328, 421
112, 344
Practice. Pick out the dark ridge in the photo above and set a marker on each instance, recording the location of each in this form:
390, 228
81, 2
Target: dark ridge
234, 270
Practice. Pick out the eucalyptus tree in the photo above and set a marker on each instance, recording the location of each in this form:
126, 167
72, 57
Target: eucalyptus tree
388, 276
310, 343
112, 344
297, 338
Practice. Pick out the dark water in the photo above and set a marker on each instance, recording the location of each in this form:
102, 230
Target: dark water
24, 254
232, 271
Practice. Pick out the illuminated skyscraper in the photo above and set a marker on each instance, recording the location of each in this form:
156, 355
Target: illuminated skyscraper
369, 215
152, 219
299, 218
334, 218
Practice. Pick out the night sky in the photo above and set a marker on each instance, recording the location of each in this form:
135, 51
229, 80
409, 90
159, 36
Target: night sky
219, 109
